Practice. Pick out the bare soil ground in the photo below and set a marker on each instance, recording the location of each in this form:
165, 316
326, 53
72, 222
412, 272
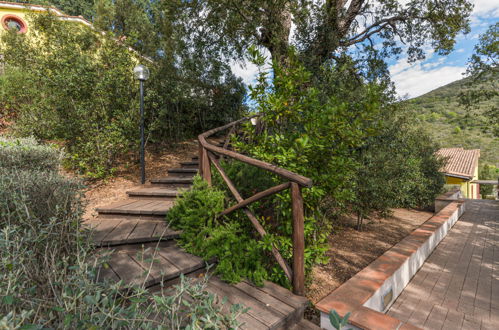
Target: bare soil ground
350, 250
103, 192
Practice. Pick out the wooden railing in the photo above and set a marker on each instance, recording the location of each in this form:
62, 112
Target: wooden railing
208, 155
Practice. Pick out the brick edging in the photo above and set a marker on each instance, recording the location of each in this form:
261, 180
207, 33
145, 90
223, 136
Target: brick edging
362, 295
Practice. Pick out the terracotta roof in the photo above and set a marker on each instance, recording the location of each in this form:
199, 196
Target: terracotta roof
460, 162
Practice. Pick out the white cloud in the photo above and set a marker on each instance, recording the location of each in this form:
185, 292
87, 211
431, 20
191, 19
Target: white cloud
416, 79
247, 71
486, 8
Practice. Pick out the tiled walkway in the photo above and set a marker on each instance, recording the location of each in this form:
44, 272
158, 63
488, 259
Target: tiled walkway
458, 286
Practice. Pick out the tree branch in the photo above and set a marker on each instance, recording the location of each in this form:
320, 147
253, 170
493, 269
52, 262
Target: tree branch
377, 26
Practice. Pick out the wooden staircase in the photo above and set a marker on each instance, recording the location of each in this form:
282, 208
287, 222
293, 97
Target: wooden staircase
141, 250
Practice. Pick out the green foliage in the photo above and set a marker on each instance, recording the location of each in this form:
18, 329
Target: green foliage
487, 172
48, 272
27, 154
456, 125
77, 88
484, 69
358, 148
337, 321
238, 253
397, 168
325, 28
67, 82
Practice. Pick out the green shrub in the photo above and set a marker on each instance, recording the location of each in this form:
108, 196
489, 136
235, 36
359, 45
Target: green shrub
238, 252
67, 82
27, 154
232, 240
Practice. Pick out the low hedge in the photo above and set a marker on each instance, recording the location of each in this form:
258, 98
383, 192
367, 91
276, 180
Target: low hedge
27, 154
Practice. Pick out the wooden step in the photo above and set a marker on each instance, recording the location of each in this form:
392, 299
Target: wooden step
173, 180
150, 192
305, 325
189, 164
270, 306
119, 231
148, 264
183, 170
133, 207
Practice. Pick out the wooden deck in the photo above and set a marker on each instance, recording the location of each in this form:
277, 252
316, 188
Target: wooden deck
139, 250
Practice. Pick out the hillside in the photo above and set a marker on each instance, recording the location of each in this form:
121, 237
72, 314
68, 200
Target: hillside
439, 113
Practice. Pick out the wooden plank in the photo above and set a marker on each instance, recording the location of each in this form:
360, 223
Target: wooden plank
247, 320
116, 205
105, 272
154, 191
161, 207
184, 261
298, 240
269, 317
104, 228
136, 205
126, 268
265, 298
284, 295
144, 229
178, 180
158, 268
163, 230
204, 165
120, 233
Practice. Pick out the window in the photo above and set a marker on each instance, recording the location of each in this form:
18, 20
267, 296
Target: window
13, 22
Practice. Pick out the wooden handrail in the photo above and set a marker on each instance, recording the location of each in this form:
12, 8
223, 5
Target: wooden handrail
207, 156
301, 180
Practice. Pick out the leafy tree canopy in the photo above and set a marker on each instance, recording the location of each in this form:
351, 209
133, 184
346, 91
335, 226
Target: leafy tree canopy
483, 67
324, 28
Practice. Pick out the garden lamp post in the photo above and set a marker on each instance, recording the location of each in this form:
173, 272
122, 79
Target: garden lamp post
141, 73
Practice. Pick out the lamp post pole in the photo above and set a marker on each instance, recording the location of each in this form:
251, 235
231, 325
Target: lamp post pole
142, 142
142, 74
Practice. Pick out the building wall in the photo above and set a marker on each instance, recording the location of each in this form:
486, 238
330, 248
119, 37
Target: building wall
469, 190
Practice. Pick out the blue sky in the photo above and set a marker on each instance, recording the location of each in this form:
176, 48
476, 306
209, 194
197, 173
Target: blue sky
424, 76
415, 79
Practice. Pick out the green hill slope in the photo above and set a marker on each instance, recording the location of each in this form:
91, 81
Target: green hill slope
439, 113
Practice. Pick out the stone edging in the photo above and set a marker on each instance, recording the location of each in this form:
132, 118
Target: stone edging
370, 293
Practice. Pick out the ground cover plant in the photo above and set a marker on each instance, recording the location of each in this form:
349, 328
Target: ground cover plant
47, 269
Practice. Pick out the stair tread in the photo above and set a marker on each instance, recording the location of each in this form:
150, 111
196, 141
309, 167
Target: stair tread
148, 264
173, 180
159, 261
183, 170
154, 191
110, 232
193, 162
131, 206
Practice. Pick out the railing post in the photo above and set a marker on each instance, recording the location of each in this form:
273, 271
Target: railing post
204, 164
298, 240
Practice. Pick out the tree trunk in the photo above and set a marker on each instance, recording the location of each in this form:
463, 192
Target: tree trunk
274, 35
360, 220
